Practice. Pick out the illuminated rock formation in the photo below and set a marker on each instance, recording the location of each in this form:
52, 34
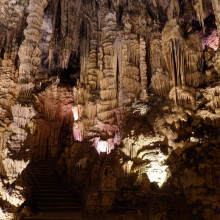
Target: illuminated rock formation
29, 55
29, 52
126, 94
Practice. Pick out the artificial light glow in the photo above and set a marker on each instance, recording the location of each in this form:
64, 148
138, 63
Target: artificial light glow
157, 173
156, 170
75, 111
102, 146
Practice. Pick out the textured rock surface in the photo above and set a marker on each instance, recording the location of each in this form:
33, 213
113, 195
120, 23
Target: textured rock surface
127, 93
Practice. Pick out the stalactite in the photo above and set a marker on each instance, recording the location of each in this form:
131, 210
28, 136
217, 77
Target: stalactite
183, 60
195, 79
194, 55
130, 81
199, 11
51, 49
182, 96
70, 28
63, 18
52, 41
107, 105
160, 83
216, 8
174, 52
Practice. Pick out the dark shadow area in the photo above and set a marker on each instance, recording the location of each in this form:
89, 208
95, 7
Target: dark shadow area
69, 76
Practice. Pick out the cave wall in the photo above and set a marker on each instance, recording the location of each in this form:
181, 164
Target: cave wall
137, 80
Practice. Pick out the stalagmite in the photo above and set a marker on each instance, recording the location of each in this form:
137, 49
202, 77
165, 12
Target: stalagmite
143, 68
29, 49
92, 69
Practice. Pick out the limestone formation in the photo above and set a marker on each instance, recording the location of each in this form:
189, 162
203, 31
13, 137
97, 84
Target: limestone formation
126, 94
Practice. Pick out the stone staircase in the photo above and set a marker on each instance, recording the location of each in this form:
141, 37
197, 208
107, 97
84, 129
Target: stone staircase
51, 197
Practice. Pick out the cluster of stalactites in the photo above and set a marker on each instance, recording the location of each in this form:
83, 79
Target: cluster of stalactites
160, 82
114, 68
173, 47
70, 28
183, 62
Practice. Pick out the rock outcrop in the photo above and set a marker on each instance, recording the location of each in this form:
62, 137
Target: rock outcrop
126, 93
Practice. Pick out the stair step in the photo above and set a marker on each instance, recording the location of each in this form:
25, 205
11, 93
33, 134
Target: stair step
52, 196
56, 216
64, 199
48, 218
49, 187
59, 208
49, 179
45, 185
49, 194
55, 205
46, 182
47, 175
43, 171
50, 190
37, 167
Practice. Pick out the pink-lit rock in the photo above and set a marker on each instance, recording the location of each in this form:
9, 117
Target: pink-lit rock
103, 145
76, 112
211, 40
78, 131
